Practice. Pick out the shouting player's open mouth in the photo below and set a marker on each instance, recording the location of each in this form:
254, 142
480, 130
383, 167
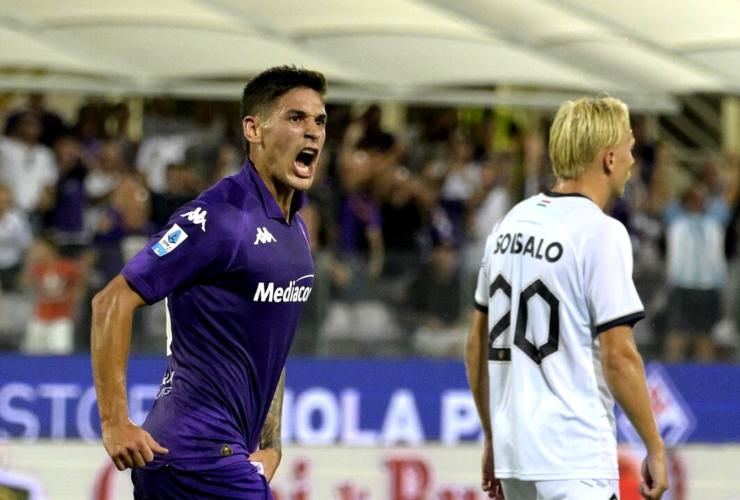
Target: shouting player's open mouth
305, 162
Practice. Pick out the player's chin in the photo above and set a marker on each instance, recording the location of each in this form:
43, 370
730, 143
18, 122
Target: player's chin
300, 183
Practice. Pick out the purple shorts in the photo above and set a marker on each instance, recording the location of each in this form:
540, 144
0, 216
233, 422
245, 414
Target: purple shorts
236, 480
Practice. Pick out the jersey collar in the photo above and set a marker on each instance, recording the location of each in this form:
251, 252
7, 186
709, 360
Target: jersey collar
552, 194
249, 175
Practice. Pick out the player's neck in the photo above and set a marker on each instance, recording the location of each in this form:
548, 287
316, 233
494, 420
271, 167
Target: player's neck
598, 192
283, 195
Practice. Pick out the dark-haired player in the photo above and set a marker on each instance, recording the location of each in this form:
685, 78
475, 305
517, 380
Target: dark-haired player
234, 268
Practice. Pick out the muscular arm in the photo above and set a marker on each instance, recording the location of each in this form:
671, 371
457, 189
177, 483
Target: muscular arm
476, 366
113, 311
271, 448
625, 375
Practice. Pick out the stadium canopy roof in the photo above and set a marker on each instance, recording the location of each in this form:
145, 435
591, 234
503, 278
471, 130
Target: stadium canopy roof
526, 52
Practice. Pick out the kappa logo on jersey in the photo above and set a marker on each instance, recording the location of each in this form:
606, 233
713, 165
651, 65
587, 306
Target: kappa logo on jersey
268, 292
197, 216
263, 236
169, 241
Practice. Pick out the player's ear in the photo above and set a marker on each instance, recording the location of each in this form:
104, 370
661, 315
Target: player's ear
251, 126
608, 162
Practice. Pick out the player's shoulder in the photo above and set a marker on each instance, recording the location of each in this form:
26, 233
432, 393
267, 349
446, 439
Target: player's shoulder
521, 208
603, 231
612, 228
209, 215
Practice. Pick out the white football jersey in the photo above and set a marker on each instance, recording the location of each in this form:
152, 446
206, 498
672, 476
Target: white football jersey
556, 272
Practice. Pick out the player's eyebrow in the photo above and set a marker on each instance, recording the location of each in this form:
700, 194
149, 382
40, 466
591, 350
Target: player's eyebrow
302, 114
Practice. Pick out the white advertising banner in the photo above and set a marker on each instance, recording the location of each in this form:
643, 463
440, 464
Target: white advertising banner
76, 470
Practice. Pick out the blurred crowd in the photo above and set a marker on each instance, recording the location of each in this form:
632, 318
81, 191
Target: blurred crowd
398, 221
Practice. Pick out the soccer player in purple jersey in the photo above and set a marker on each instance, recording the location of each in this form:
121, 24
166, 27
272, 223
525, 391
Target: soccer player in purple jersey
234, 268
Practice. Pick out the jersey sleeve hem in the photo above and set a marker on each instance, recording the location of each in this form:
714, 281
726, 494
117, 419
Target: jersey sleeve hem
483, 309
628, 319
140, 286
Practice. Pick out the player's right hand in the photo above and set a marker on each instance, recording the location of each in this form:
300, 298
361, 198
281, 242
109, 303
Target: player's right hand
129, 445
654, 476
490, 485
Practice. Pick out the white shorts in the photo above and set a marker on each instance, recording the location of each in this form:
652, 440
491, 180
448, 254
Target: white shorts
571, 489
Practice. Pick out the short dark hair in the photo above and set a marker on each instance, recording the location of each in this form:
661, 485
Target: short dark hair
264, 88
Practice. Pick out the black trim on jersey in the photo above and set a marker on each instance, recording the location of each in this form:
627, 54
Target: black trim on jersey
483, 309
553, 194
499, 354
629, 319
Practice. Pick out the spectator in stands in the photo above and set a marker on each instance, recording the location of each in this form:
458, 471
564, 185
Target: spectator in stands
52, 125
117, 117
227, 163
406, 213
180, 189
57, 283
488, 204
366, 126
123, 227
532, 150
644, 149
90, 127
696, 271
27, 166
404, 203
669, 179
491, 199
434, 305
106, 173
167, 141
15, 239
359, 222
461, 178
66, 217
332, 274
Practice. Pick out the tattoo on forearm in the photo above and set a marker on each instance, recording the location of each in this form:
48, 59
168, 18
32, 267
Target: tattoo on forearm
270, 435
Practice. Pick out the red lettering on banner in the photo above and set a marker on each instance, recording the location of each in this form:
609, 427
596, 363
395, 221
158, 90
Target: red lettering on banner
454, 493
348, 491
409, 479
302, 488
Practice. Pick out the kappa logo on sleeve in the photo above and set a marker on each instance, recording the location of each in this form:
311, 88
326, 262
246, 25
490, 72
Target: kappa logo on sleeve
197, 216
169, 241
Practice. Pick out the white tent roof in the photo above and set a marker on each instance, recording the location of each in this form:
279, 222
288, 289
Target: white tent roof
532, 52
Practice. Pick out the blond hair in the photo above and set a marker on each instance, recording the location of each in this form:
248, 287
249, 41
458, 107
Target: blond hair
581, 129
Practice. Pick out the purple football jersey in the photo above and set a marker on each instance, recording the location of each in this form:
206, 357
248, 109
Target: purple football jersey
235, 276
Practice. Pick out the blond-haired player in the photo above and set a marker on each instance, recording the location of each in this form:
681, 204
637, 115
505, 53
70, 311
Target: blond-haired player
551, 344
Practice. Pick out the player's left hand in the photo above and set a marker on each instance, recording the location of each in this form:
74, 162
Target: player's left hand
269, 458
490, 485
654, 476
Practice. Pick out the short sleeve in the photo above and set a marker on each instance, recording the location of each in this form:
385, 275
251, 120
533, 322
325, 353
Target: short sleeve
610, 290
481, 288
196, 241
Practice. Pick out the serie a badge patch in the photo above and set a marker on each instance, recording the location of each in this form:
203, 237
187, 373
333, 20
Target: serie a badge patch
169, 241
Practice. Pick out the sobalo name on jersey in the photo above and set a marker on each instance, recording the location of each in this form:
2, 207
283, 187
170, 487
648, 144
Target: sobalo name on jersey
268, 292
533, 246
